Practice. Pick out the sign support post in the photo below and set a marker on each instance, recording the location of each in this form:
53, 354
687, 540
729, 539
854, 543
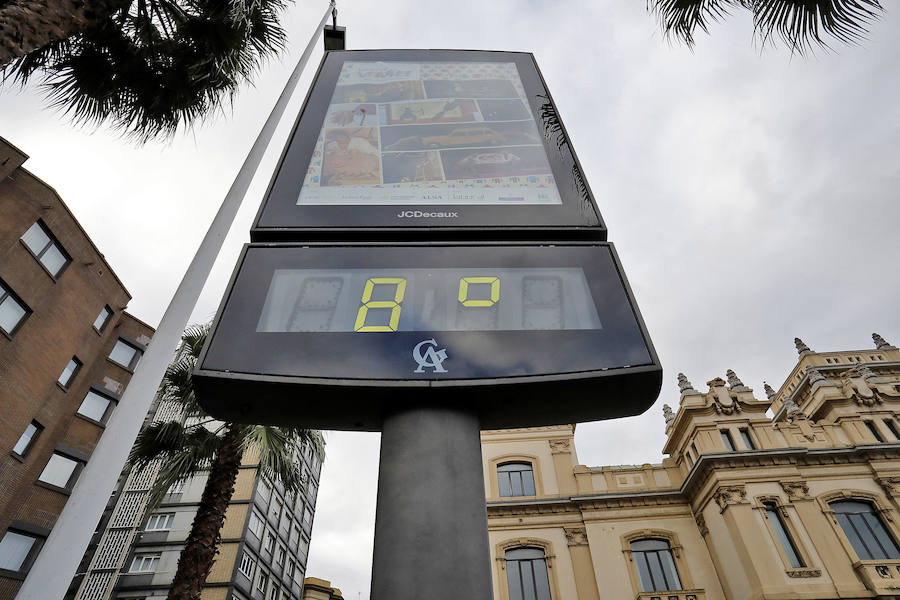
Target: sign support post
431, 521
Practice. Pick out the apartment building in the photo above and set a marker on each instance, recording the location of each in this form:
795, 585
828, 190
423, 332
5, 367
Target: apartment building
67, 351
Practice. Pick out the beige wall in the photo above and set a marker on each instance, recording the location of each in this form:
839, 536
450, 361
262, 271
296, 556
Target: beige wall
708, 501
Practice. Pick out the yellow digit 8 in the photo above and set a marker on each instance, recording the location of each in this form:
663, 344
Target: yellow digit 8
368, 303
464, 291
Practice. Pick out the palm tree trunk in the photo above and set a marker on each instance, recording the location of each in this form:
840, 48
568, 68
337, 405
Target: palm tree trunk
26, 25
200, 549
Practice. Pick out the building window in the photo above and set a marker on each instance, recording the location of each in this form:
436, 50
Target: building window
103, 318
45, 248
12, 310
292, 567
256, 525
275, 509
865, 531
15, 550
246, 566
68, 374
655, 565
726, 439
889, 423
262, 582
270, 542
281, 556
264, 490
273, 593
124, 354
61, 471
177, 487
303, 546
160, 522
874, 431
95, 406
526, 574
748, 441
515, 479
784, 537
144, 563
28, 437
307, 516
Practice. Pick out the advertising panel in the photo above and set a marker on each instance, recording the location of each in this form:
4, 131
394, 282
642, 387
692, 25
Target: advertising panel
428, 143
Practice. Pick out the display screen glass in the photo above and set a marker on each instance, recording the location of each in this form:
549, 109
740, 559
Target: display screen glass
429, 133
461, 299
380, 311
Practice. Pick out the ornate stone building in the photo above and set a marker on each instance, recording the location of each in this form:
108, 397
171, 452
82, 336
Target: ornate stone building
794, 495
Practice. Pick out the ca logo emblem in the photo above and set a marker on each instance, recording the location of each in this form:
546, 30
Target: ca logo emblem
432, 357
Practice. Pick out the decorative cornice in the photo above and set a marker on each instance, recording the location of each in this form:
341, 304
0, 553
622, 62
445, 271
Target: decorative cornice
795, 490
576, 536
703, 469
727, 495
701, 524
891, 485
561, 446
804, 572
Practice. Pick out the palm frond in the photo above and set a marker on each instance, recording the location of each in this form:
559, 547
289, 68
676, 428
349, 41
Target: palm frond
180, 452
156, 66
799, 24
279, 451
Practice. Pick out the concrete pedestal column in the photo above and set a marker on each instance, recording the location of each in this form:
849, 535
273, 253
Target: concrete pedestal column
430, 520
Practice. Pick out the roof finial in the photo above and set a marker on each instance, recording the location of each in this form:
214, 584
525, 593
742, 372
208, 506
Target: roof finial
734, 383
802, 349
881, 343
668, 415
791, 410
814, 376
685, 386
770, 393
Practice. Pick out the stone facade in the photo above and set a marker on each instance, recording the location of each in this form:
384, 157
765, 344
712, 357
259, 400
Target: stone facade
62, 303
320, 589
745, 505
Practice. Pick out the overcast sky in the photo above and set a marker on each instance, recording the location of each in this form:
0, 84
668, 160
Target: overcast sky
752, 198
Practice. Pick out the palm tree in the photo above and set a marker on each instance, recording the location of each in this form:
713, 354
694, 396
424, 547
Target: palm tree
798, 23
181, 448
145, 67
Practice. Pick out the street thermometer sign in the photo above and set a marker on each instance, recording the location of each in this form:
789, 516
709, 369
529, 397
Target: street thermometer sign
428, 261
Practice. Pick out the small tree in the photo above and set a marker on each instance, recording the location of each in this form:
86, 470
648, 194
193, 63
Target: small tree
195, 442
798, 23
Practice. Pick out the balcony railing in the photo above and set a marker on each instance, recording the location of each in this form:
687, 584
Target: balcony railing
880, 576
673, 595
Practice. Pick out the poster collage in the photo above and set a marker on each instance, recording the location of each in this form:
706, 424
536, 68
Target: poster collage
429, 133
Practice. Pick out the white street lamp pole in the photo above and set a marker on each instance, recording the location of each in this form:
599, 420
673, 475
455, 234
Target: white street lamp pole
55, 566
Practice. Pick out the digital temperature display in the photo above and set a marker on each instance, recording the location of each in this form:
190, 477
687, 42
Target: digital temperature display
333, 335
461, 299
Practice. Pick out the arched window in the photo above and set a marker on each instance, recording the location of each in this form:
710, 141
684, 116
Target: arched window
866, 532
655, 565
515, 479
526, 574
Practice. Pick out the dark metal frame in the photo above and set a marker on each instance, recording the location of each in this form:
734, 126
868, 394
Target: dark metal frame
359, 404
281, 219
